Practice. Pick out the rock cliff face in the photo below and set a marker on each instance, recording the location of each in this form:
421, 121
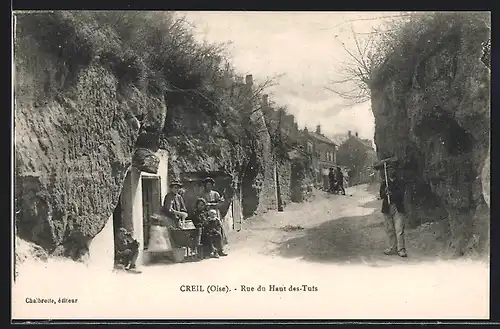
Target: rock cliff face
267, 194
433, 111
285, 182
75, 136
201, 141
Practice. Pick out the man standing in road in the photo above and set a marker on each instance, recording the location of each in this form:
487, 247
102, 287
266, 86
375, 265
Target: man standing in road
331, 181
340, 180
392, 194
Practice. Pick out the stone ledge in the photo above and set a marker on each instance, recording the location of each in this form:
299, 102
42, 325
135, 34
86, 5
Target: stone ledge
145, 160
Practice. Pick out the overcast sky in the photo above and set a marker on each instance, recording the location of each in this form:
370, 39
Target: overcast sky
304, 47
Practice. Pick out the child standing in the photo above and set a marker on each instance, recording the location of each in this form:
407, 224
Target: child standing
212, 229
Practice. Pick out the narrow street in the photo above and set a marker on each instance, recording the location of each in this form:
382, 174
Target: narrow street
332, 244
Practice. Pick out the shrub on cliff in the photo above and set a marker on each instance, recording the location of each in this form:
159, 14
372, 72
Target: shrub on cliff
430, 97
194, 77
151, 53
405, 41
394, 48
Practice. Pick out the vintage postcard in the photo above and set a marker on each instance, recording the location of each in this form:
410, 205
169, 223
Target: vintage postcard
251, 165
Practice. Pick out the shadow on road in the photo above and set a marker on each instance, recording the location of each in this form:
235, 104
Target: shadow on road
359, 239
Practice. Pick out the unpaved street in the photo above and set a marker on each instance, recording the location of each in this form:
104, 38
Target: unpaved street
332, 245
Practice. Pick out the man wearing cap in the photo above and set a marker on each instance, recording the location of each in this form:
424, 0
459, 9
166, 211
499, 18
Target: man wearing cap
214, 201
393, 210
174, 206
127, 250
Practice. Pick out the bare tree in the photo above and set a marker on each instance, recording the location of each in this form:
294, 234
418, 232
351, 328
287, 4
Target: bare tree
368, 52
353, 85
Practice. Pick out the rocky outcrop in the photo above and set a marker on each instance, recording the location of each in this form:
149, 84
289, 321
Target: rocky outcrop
267, 194
75, 133
27, 251
145, 160
238, 144
430, 99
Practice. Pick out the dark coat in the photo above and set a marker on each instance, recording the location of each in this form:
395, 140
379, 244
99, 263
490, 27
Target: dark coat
331, 177
340, 178
397, 191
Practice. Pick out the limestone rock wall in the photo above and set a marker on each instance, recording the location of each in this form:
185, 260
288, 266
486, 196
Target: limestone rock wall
266, 177
75, 135
434, 113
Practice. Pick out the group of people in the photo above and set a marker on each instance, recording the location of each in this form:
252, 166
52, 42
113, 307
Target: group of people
336, 181
207, 216
207, 219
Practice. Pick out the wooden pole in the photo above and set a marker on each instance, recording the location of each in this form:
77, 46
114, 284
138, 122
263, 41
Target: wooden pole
386, 183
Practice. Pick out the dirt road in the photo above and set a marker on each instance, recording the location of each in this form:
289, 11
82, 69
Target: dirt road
317, 260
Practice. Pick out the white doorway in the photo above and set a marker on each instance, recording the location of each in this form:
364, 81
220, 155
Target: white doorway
151, 203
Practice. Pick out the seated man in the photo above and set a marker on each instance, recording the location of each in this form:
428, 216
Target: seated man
174, 206
127, 250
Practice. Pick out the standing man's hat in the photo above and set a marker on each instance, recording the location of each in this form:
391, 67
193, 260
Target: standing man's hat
209, 179
176, 183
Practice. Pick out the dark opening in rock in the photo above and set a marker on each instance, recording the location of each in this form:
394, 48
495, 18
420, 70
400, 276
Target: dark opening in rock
296, 182
250, 195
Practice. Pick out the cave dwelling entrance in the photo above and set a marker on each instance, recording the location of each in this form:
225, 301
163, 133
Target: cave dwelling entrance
142, 196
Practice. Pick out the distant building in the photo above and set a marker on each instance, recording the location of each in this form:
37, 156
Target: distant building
341, 138
322, 151
358, 155
279, 119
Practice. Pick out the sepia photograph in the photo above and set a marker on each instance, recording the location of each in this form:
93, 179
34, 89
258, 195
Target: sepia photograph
250, 165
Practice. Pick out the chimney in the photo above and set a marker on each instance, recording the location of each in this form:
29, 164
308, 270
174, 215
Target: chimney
318, 129
356, 134
249, 80
265, 100
348, 133
306, 130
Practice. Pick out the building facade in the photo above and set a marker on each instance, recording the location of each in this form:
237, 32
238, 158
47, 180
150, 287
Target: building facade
322, 151
358, 155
